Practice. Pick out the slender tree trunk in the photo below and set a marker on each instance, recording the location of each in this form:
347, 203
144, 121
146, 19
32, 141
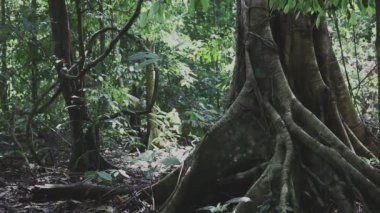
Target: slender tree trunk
102, 37
78, 9
290, 138
151, 128
85, 148
378, 56
4, 69
149, 94
34, 81
101, 69
33, 54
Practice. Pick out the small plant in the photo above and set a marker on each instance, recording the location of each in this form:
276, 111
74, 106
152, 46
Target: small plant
224, 207
372, 161
167, 127
265, 206
99, 176
155, 162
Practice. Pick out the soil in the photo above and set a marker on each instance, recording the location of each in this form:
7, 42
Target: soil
18, 178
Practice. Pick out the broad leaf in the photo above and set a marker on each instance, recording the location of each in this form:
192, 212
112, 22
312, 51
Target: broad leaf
146, 63
170, 161
90, 174
239, 200
143, 56
104, 175
205, 4
206, 208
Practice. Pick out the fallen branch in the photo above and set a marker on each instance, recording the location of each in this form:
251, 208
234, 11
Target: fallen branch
77, 191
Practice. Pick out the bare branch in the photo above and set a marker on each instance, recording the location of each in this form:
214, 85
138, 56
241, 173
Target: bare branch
94, 36
108, 50
48, 103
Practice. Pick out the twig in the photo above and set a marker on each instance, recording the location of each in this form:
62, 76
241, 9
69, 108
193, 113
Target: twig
42, 108
367, 75
91, 41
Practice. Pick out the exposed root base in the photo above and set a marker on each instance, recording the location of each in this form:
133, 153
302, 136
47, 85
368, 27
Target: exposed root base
310, 121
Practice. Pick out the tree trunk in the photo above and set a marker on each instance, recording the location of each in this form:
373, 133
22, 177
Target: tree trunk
290, 110
377, 3
102, 37
150, 75
33, 54
85, 148
4, 71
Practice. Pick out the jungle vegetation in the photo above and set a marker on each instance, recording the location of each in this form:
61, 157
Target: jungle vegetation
190, 105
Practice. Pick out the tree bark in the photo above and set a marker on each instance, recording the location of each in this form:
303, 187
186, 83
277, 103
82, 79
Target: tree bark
289, 110
4, 71
33, 54
377, 3
102, 37
85, 148
150, 75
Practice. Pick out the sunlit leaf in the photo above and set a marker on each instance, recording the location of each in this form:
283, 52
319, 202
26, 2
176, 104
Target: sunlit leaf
104, 175
205, 4
90, 174
143, 56
170, 161
146, 63
206, 208
239, 200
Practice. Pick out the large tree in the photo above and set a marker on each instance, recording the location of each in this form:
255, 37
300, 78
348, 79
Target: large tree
71, 77
291, 138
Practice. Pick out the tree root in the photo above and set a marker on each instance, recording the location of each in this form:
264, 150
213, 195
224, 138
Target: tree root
162, 189
251, 173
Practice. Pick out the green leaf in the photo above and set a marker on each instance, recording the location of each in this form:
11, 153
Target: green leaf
318, 21
156, 7
146, 63
206, 208
90, 174
28, 26
193, 116
292, 3
353, 19
148, 155
143, 18
287, 8
205, 5
170, 161
271, 4
104, 175
192, 6
150, 173
239, 200
143, 56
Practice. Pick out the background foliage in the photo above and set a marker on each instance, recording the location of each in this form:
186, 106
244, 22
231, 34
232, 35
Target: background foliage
192, 44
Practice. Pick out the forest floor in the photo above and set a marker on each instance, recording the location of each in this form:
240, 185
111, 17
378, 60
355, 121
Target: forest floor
135, 171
